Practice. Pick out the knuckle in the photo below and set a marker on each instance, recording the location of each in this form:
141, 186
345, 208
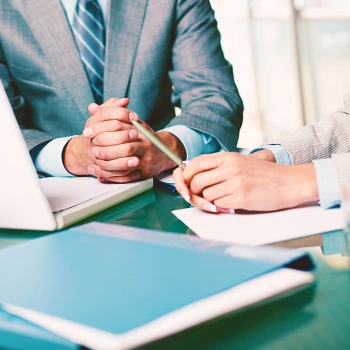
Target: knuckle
240, 184
103, 154
91, 121
234, 171
234, 155
125, 113
88, 123
99, 172
207, 194
98, 140
104, 113
195, 185
129, 150
116, 125
102, 164
195, 162
96, 128
116, 165
124, 137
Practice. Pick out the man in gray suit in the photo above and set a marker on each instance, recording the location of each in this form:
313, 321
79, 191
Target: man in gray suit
313, 164
157, 53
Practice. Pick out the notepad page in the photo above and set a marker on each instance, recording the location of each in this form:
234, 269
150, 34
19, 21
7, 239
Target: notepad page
265, 228
67, 192
166, 177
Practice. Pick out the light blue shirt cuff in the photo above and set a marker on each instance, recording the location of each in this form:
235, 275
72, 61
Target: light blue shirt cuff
327, 183
281, 154
195, 142
49, 159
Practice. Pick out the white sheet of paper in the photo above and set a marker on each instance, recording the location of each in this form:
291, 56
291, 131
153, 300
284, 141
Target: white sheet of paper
67, 192
166, 177
264, 228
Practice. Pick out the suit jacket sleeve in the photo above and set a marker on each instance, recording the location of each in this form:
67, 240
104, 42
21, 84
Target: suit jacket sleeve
32, 137
320, 140
203, 84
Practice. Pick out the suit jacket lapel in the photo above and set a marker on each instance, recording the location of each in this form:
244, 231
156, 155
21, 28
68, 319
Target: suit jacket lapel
51, 29
123, 34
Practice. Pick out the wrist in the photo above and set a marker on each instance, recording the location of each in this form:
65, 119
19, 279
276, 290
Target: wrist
74, 157
174, 144
304, 183
264, 154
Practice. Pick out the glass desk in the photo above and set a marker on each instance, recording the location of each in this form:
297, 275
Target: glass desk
319, 320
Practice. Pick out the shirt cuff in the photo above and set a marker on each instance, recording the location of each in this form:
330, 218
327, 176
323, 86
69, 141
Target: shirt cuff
49, 159
195, 142
327, 182
281, 154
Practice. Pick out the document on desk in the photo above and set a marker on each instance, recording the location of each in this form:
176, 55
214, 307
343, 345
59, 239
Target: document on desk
166, 180
261, 228
67, 192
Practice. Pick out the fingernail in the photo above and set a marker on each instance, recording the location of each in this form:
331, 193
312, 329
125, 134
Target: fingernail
226, 211
210, 207
91, 171
135, 176
133, 163
133, 134
132, 116
186, 197
88, 132
95, 152
187, 162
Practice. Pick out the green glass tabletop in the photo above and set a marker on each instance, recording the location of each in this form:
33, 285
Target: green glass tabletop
317, 318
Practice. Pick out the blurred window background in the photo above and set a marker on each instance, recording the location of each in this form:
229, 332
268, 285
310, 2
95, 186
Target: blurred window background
291, 61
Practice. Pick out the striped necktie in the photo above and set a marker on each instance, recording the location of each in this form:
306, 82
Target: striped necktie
89, 32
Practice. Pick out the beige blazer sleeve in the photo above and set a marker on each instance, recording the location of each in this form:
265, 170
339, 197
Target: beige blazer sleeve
321, 140
342, 164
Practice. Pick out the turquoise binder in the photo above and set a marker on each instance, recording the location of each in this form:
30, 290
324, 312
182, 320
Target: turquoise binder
117, 278
16, 333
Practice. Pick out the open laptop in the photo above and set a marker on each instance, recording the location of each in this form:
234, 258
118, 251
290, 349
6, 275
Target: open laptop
30, 203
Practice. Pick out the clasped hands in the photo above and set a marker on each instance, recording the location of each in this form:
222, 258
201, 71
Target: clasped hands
111, 149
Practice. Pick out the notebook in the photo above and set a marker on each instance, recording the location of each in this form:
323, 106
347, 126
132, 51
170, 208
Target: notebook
115, 287
48, 204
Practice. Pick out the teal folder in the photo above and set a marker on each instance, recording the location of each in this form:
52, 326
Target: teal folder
116, 278
16, 333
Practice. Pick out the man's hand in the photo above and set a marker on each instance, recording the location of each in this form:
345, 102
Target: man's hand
226, 181
77, 155
116, 152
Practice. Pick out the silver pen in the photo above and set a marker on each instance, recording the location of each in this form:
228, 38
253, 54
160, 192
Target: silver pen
159, 144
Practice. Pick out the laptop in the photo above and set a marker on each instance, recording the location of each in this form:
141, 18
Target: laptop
47, 204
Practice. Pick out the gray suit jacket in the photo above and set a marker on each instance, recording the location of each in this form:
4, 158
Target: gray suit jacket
160, 53
328, 138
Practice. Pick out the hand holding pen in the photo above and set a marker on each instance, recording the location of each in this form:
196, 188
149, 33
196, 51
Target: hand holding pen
180, 183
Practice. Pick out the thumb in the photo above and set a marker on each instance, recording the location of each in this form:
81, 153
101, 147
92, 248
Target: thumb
113, 102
